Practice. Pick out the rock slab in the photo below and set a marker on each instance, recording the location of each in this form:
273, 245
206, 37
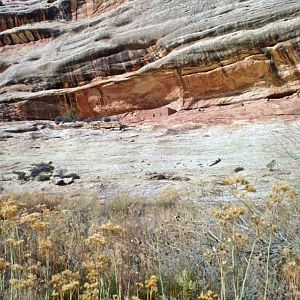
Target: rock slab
99, 58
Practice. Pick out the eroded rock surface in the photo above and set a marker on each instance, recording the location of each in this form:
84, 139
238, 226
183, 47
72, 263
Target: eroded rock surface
108, 57
147, 160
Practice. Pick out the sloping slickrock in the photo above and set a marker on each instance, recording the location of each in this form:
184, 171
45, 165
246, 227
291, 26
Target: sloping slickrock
109, 164
108, 57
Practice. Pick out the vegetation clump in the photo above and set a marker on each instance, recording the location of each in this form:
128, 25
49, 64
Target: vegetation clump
167, 248
68, 117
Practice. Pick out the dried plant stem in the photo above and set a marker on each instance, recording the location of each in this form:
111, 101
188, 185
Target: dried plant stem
234, 277
223, 287
47, 296
267, 266
160, 275
247, 270
268, 259
118, 282
12, 272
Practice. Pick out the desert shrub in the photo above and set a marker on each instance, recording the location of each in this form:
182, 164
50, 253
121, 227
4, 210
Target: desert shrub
107, 119
58, 120
92, 119
68, 117
56, 248
62, 119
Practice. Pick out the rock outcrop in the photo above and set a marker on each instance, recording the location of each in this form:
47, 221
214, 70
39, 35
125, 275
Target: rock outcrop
103, 57
143, 161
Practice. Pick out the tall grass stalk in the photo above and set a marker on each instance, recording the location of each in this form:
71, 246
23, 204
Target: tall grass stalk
247, 270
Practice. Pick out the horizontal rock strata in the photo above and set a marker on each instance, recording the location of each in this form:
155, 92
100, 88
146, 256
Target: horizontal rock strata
106, 57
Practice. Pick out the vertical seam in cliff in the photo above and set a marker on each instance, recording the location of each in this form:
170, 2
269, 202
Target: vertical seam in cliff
183, 89
273, 67
102, 95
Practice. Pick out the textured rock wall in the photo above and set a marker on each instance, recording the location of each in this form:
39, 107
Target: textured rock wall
98, 57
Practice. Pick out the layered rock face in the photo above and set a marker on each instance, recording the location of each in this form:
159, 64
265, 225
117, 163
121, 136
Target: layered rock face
103, 57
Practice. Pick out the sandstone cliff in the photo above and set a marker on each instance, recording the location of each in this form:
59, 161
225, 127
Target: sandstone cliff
102, 57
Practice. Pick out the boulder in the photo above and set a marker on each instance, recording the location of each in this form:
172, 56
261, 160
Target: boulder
22, 128
71, 175
62, 181
63, 173
58, 181
43, 177
68, 180
39, 168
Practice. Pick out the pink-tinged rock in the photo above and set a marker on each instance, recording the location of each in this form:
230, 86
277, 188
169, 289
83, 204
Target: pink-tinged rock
99, 58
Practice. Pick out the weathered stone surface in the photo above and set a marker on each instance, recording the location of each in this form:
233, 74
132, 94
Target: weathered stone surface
108, 57
109, 164
286, 108
22, 128
58, 181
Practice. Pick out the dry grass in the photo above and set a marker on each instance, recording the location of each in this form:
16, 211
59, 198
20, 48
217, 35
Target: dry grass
167, 248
